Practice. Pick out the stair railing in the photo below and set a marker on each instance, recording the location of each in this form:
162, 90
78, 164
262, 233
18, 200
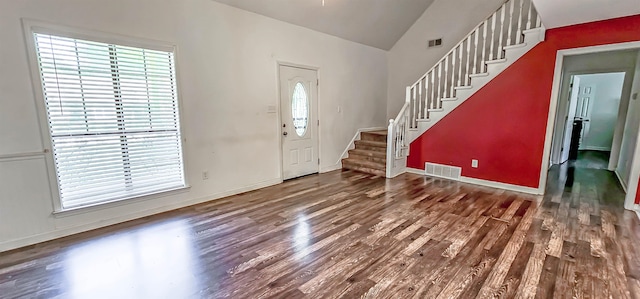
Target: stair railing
398, 137
483, 45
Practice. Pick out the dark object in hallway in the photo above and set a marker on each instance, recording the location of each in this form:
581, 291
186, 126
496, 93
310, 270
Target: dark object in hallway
575, 139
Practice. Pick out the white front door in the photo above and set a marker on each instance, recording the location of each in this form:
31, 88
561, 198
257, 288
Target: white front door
299, 128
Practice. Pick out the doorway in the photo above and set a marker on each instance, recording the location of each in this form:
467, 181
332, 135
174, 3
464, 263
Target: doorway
624, 162
299, 121
592, 117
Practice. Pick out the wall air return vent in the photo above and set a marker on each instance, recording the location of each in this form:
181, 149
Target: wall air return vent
443, 171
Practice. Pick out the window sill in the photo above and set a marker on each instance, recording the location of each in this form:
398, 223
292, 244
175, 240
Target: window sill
119, 202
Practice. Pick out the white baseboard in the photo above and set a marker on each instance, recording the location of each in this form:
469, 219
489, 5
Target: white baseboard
415, 171
485, 183
331, 167
622, 183
35, 239
504, 186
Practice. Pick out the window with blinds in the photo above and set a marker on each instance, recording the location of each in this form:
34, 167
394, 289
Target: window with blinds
113, 117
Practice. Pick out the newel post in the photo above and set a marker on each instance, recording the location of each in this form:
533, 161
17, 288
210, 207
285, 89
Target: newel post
390, 149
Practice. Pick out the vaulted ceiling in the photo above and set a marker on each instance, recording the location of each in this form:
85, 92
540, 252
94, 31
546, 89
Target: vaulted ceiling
381, 23
558, 13
377, 23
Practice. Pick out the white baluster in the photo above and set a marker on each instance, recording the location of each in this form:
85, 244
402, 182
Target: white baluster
433, 89
453, 72
439, 85
420, 99
538, 20
414, 122
399, 130
529, 14
502, 15
519, 32
446, 73
460, 53
510, 32
426, 96
468, 64
475, 52
484, 45
493, 34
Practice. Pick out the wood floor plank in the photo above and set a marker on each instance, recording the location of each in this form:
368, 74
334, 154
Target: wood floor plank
352, 235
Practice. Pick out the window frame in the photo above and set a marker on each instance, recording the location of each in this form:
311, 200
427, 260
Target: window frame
30, 27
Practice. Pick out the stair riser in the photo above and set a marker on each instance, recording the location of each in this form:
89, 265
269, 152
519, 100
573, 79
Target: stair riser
368, 158
373, 137
371, 148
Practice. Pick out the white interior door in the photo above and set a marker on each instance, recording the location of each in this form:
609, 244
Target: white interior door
299, 115
571, 114
583, 110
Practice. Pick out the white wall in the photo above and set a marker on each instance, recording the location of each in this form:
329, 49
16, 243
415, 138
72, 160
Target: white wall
632, 127
605, 62
409, 58
227, 76
606, 90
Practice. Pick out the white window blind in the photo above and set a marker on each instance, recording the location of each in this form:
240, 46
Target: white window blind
113, 119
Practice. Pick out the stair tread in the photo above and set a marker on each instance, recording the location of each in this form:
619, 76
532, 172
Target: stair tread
479, 75
368, 153
372, 143
376, 172
365, 163
532, 30
381, 132
515, 46
501, 60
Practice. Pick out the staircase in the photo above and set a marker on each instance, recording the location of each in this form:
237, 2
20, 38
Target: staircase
491, 47
369, 155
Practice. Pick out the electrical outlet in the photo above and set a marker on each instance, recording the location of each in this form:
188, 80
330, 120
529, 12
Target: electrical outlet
205, 175
474, 163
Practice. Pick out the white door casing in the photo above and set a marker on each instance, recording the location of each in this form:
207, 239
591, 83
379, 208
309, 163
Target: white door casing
299, 117
571, 113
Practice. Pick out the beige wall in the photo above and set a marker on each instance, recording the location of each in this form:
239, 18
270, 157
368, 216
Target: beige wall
227, 72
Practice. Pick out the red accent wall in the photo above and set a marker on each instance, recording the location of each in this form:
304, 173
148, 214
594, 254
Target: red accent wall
503, 125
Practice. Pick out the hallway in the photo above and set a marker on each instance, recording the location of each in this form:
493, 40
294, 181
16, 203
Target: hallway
583, 210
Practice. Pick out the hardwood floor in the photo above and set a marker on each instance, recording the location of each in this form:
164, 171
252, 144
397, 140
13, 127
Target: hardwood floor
352, 235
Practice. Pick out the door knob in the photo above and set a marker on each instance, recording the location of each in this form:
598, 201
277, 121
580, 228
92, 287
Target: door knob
285, 133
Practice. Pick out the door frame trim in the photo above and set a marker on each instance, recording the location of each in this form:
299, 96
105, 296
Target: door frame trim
280, 63
629, 202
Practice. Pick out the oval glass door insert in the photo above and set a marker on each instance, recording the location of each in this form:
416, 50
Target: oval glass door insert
300, 109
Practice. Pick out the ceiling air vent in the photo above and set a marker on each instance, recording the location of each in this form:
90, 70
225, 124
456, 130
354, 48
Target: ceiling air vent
435, 43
